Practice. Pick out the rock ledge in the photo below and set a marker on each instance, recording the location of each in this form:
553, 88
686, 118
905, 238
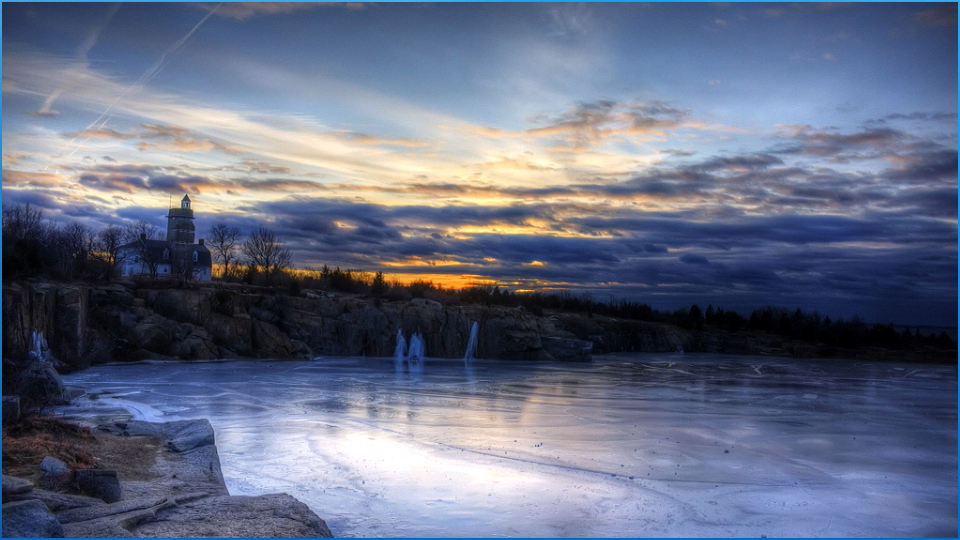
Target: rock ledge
181, 495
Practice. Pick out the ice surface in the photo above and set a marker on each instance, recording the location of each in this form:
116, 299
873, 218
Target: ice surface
641, 445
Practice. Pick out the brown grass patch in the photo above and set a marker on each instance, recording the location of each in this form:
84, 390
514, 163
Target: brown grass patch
28, 442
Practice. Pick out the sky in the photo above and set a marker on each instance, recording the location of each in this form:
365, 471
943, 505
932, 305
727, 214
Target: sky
736, 155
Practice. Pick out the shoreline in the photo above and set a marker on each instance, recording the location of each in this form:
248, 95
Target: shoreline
172, 487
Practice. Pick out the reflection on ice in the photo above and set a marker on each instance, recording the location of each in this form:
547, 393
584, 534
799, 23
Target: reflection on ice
653, 445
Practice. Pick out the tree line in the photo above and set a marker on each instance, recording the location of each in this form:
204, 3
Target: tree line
795, 325
36, 247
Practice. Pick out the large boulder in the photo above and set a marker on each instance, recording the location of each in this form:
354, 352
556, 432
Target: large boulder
30, 519
189, 434
15, 486
100, 483
266, 516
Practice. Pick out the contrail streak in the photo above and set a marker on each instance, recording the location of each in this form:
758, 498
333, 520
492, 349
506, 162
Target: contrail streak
47, 108
154, 69
143, 80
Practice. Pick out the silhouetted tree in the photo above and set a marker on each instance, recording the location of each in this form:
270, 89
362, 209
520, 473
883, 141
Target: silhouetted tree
106, 250
379, 285
266, 255
25, 241
70, 247
223, 243
140, 234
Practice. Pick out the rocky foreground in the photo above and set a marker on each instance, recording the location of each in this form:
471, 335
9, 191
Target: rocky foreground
172, 488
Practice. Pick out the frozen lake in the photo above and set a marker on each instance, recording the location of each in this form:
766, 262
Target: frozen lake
638, 445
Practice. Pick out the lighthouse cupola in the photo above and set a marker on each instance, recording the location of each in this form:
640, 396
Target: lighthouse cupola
180, 228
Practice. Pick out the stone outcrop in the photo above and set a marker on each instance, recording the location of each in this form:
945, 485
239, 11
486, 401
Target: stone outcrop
180, 493
210, 322
128, 321
30, 519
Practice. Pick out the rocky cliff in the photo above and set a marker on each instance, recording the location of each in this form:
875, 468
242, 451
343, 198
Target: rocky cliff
128, 321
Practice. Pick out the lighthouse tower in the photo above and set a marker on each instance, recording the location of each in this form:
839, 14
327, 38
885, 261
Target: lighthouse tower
180, 229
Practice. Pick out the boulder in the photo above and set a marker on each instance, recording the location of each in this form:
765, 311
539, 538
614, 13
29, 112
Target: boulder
52, 465
11, 409
100, 483
189, 434
30, 519
266, 516
56, 474
15, 486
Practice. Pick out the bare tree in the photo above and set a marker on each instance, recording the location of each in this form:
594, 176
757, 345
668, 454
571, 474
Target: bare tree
265, 253
140, 234
21, 222
182, 265
25, 240
223, 242
106, 250
71, 246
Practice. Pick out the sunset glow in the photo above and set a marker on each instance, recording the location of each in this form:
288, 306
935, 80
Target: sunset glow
739, 155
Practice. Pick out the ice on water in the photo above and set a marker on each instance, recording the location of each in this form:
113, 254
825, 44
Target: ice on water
643, 445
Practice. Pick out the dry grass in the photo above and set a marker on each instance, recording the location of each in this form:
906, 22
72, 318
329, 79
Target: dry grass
27, 443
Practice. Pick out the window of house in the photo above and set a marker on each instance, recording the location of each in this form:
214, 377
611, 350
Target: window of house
196, 256
166, 254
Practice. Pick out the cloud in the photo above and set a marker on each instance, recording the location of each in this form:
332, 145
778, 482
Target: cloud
363, 138
571, 19
690, 258
25, 179
263, 167
158, 138
74, 77
244, 10
588, 124
45, 112
100, 133
677, 152
827, 144
113, 182
924, 116
941, 15
925, 167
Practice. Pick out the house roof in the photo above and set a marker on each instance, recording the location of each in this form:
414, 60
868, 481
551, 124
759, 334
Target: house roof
155, 250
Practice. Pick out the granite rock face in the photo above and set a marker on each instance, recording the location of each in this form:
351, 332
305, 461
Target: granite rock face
131, 322
125, 322
276, 515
